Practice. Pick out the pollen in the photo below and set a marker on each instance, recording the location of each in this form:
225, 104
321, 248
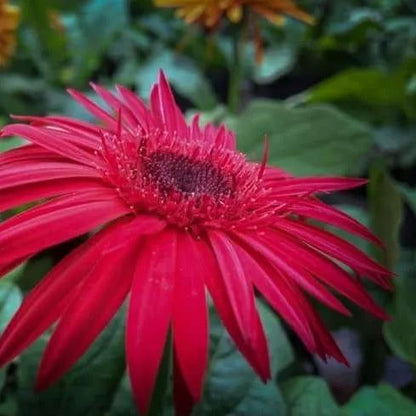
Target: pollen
180, 173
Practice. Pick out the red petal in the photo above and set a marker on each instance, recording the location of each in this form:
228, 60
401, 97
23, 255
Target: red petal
337, 248
279, 292
235, 281
329, 273
149, 314
45, 303
29, 172
13, 197
323, 212
51, 140
29, 153
137, 108
57, 221
80, 133
94, 109
190, 317
305, 186
164, 107
288, 266
183, 399
100, 296
256, 354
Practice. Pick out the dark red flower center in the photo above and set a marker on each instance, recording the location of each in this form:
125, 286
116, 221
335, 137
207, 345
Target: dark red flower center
173, 172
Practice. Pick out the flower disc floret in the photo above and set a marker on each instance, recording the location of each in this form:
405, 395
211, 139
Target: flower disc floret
189, 183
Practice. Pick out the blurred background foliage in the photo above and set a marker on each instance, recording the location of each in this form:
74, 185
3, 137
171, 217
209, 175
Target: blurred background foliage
335, 98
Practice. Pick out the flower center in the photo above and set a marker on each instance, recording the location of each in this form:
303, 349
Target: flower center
173, 172
187, 182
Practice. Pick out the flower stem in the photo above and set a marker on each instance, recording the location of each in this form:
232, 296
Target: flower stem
236, 70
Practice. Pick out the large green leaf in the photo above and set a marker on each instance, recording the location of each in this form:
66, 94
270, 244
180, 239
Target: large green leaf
398, 332
313, 140
232, 386
90, 32
123, 404
10, 300
409, 195
381, 401
261, 399
88, 389
386, 211
309, 396
369, 85
182, 72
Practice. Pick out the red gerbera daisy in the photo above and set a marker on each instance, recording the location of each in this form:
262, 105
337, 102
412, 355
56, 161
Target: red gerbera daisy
176, 210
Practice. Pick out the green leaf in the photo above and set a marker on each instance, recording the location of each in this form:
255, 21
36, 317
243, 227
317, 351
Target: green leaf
88, 389
10, 143
308, 396
305, 141
232, 387
85, 41
123, 404
38, 15
381, 401
261, 399
10, 300
399, 332
280, 350
386, 211
187, 79
364, 85
278, 60
409, 195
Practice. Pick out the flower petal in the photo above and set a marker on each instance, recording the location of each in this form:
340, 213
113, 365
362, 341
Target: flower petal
103, 292
286, 264
184, 402
283, 296
57, 221
235, 281
190, 317
107, 118
80, 133
149, 314
29, 172
45, 303
255, 353
13, 197
285, 187
137, 108
50, 140
337, 248
316, 209
329, 272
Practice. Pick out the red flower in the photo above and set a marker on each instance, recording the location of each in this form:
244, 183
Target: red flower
178, 209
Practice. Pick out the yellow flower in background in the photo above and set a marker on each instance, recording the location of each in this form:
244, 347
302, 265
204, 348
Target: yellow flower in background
9, 20
209, 12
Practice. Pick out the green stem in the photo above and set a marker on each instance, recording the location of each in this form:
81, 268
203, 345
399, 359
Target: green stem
236, 71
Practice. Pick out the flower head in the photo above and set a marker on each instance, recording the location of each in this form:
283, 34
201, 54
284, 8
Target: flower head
174, 211
9, 19
209, 12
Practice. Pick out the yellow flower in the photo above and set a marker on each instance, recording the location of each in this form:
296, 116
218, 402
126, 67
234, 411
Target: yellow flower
9, 19
209, 12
